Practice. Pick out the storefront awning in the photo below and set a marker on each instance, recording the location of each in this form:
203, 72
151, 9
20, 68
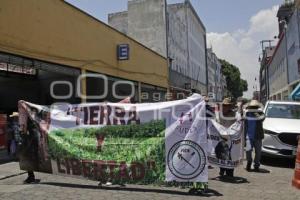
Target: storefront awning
295, 95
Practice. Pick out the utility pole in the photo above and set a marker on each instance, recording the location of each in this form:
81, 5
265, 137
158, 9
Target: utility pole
264, 73
265, 41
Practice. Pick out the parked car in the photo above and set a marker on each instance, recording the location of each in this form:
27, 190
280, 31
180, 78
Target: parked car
281, 128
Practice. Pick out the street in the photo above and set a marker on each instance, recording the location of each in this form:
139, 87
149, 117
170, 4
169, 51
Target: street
170, 99
273, 183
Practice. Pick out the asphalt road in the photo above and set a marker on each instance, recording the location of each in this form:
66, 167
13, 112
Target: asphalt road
273, 183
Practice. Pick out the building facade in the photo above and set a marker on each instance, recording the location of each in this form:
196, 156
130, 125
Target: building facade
174, 30
263, 73
293, 50
278, 73
211, 68
284, 66
216, 85
67, 55
147, 26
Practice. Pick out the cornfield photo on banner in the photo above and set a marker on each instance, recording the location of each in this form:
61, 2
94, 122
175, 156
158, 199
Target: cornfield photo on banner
150, 143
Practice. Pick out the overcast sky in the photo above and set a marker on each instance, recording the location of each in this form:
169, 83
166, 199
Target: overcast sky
234, 27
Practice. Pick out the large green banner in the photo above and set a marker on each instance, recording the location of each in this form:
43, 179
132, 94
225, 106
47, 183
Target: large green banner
120, 143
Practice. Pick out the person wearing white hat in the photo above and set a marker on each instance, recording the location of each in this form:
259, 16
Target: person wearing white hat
227, 116
254, 133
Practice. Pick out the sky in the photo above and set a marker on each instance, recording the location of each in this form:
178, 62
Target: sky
234, 28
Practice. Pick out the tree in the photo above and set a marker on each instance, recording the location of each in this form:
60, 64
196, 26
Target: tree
235, 84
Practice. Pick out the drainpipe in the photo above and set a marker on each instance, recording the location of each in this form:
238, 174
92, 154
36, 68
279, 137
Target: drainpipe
206, 64
286, 54
169, 60
297, 18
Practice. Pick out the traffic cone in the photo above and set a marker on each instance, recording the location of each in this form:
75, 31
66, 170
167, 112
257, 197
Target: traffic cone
296, 179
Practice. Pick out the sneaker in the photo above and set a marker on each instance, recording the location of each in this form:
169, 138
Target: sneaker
108, 183
29, 180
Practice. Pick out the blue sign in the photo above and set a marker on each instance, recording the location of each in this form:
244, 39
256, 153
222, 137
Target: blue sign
123, 52
295, 95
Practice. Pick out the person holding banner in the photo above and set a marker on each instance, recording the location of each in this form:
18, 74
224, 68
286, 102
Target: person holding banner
227, 117
33, 135
254, 133
29, 141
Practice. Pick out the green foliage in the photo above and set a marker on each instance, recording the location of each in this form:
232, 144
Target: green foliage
128, 143
235, 85
150, 129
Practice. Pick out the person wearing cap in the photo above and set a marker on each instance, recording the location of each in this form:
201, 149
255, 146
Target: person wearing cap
254, 133
227, 117
13, 134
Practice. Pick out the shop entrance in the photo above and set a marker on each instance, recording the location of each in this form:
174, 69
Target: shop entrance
30, 80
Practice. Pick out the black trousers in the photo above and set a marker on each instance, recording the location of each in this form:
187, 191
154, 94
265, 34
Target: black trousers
30, 174
8, 146
225, 171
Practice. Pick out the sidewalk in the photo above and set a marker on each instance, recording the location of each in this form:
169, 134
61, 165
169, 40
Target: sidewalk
10, 169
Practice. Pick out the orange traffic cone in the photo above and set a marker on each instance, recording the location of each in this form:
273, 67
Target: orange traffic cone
296, 179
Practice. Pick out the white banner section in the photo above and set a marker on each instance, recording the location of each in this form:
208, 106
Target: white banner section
225, 144
186, 143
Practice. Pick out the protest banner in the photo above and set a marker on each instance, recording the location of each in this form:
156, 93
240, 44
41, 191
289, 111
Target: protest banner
225, 144
121, 143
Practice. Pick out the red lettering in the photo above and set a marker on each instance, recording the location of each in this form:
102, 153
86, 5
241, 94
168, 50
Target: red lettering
151, 165
133, 117
112, 166
119, 116
86, 115
94, 113
99, 170
123, 175
105, 114
137, 171
76, 166
87, 168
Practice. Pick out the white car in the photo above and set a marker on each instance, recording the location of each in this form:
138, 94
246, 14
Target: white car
281, 128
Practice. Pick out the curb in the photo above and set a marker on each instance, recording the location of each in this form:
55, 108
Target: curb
13, 175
